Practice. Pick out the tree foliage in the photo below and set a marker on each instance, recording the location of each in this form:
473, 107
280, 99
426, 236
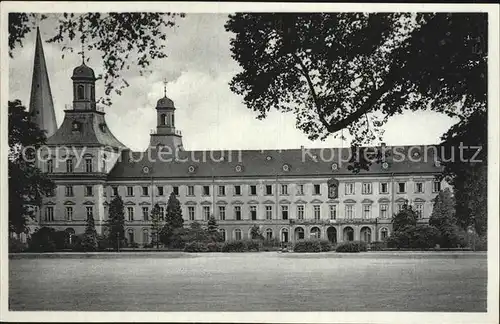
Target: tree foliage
443, 218
156, 225
123, 39
355, 70
116, 223
465, 160
255, 233
27, 184
172, 229
404, 218
89, 241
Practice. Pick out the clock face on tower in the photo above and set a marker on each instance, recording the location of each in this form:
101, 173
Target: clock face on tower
145, 170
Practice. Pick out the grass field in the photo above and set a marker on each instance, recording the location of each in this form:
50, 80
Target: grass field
249, 282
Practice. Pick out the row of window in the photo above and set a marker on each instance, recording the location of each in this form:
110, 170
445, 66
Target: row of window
268, 189
350, 212
70, 168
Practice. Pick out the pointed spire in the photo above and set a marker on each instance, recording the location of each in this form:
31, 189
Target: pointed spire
164, 88
41, 104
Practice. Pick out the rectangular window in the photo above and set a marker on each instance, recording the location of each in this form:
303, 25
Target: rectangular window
222, 212
206, 190
284, 212
269, 212
175, 190
69, 191
400, 207
88, 165
384, 210
349, 188
145, 213
206, 212
253, 190
419, 187
237, 190
284, 189
88, 191
130, 213
191, 213
237, 212
300, 212
145, 191
317, 212
69, 165
50, 166
115, 191
222, 190
349, 211
253, 212
49, 214
90, 211
300, 189
384, 187
366, 188
190, 191
367, 211
269, 190
333, 211
317, 189
419, 209
401, 187
436, 186
69, 213
130, 191
162, 213
160, 190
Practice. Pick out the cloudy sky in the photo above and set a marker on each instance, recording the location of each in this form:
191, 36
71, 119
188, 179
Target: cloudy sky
198, 69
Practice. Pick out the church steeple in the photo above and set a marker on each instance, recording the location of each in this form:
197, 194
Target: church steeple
41, 104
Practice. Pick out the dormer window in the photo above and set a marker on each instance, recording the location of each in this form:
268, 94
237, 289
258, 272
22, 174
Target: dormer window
80, 92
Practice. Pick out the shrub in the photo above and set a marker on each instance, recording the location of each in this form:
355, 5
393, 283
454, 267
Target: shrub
214, 246
416, 237
272, 243
325, 245
195, 247
16, 245
378, 246
353, 246
42, 240
253, 245
234, 246
307, 246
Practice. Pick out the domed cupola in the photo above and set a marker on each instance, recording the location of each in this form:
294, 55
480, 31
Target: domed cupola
165, 103
83, 88
83, 72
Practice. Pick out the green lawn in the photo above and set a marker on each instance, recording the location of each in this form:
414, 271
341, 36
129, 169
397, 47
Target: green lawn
249, 282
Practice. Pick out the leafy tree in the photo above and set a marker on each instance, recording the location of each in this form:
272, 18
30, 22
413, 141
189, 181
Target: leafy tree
116, 223
443, 218
212, 225
173, 221
355, 70
404, 218
89, 241
255, 233
123, 39
465, 160
27, 184
156, 225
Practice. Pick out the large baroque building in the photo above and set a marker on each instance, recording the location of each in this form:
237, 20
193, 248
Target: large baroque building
290, 194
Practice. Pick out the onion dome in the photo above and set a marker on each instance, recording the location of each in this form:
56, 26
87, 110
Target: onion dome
165, 103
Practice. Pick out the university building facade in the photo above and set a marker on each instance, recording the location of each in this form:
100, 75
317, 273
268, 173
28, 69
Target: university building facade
290, 194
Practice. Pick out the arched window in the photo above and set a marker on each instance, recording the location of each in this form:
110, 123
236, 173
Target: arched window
130, 233
269, 234
80, 92
162, 119
222, 234
284, 235
173, 123
384, 233
315, 233
237, 234
92, 92
299, 233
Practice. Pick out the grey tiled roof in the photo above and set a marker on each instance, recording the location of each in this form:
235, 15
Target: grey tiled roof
266, 163
94, 131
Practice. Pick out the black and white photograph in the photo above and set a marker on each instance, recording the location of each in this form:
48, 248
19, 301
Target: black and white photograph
239, 162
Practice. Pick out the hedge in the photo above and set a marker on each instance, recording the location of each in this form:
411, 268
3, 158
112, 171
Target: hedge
353, 246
